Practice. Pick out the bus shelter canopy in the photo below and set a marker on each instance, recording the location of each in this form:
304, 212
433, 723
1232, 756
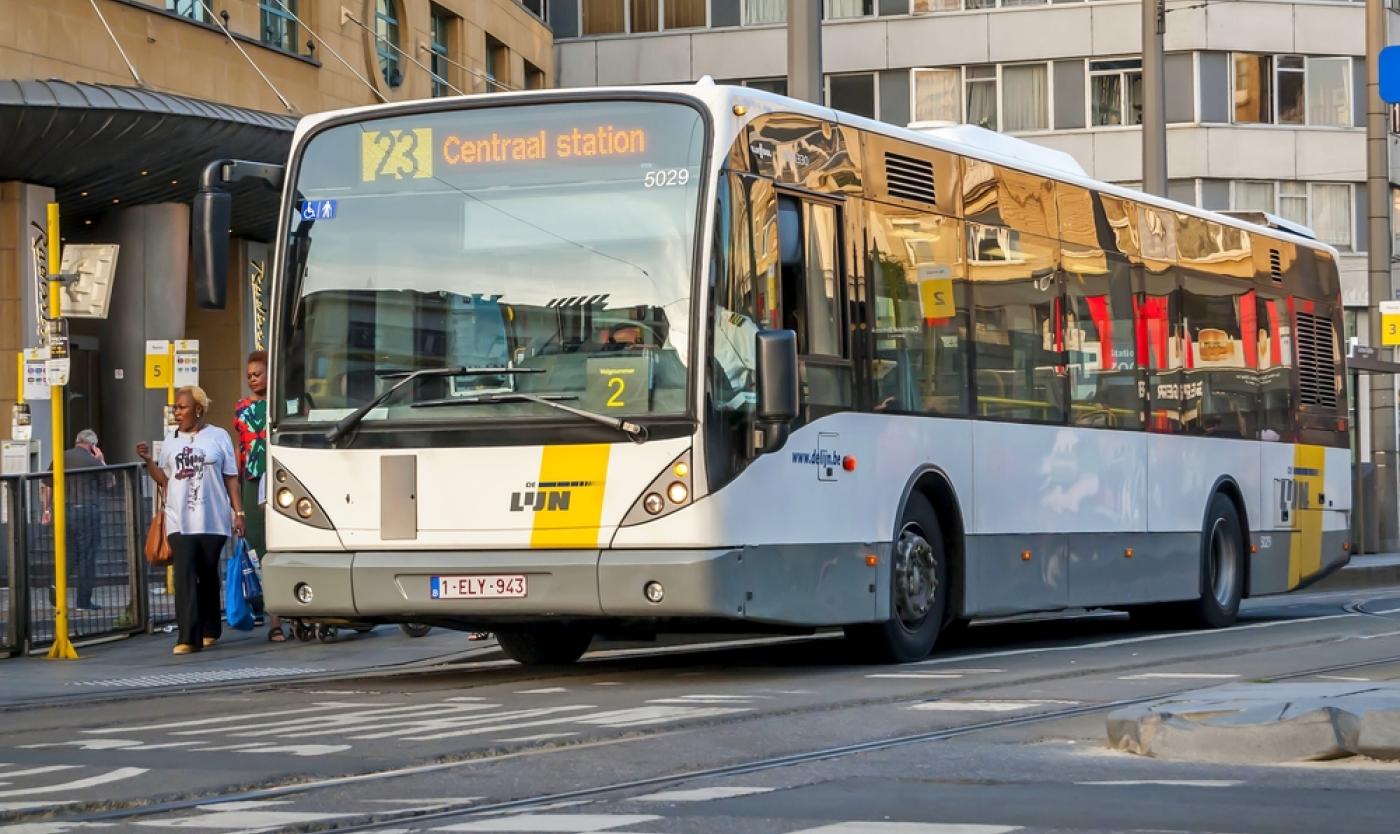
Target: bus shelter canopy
103, 147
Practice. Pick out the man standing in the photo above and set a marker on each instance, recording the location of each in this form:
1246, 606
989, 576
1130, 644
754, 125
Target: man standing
84, 522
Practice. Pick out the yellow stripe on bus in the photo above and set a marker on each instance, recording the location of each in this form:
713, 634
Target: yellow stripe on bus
579, 475
1305, 558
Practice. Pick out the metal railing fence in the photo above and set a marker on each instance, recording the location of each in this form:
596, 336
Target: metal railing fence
111, 589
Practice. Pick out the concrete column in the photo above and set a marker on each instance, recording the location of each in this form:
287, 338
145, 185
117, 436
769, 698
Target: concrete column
23, 232
148, 302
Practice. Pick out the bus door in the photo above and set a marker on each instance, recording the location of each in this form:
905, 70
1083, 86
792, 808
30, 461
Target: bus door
810, 299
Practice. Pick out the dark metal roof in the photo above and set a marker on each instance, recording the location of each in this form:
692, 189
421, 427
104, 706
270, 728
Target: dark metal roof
103, 146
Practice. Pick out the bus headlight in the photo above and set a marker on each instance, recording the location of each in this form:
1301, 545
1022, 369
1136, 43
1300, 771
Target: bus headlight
668, 492
292, 499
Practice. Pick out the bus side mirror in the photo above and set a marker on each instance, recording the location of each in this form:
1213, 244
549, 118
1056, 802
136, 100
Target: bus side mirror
775, 371
213, 212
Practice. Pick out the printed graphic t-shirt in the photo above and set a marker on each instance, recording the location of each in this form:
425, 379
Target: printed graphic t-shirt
196, 500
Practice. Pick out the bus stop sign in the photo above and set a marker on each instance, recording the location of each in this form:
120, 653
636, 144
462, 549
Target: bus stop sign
1390, 74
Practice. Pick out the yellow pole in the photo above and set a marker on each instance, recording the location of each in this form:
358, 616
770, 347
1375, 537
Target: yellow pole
19, 380
62, 648
169, 401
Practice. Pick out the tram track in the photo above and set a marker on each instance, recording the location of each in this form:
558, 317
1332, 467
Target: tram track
371, 822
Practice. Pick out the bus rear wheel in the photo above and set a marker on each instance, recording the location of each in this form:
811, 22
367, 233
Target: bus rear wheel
918, 591
544, 645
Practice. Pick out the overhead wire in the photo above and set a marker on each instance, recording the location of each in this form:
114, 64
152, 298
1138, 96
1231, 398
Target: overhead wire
322, 41
140, 82
218, 21
380, 39
483, 76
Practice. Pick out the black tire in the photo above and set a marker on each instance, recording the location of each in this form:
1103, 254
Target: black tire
544, 645
326, 634
305, 632
918, 592
1223, 556
415, 629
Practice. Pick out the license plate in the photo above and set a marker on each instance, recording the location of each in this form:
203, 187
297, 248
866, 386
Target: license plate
489, 586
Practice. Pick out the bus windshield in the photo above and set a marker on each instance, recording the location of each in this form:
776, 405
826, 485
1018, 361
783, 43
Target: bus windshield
554, 239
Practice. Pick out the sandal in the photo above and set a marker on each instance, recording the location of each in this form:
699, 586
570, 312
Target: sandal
276, 636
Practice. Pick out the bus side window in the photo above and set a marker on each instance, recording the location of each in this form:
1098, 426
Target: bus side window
811, 293
920, 294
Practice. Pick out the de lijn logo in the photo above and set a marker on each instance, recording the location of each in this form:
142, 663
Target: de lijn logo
546, 496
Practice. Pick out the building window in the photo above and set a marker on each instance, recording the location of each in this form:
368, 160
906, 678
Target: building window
1115, 92
610, 17
534, 77
386, 40
981, 84
444, 25
1324, 207
1025, 97
769, 85
936, 96
279, 26
1292, 90
838, 9
193, 9
538, 8
763, 12
852, 93
497, 65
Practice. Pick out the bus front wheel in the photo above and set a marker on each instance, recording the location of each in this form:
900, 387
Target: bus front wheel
544, 645
1222, 566
918, 591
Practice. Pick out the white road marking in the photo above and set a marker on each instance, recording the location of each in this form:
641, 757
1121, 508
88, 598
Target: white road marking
710, 699
493, 722
207, 676
982, 706
699, 794
1323, 677
908, 828
562, 823
917, 676
1184, 783
644, 716
303, 750
320, 724
440, 800
536, 737
78, 784
1175, 676
1370, 636
34, 771
249, 817
1386, 611
46, 827
468, 698
608, 683
1128, 641
224, 748
323, 706
548, 690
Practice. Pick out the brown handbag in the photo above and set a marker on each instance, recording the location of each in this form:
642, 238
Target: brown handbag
157, 544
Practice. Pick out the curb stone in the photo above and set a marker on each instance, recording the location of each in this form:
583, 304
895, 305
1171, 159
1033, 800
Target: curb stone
1264, 723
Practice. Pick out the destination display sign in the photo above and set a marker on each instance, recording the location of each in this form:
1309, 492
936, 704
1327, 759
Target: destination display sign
413, 153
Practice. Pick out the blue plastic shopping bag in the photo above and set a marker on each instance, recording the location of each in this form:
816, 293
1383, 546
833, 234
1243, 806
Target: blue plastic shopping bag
241, 588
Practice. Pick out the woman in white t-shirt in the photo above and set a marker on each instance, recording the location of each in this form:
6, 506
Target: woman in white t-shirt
199, 471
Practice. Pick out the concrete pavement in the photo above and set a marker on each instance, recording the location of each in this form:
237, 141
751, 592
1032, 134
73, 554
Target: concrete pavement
143, 664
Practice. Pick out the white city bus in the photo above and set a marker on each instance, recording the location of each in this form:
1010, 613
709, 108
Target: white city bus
561, 363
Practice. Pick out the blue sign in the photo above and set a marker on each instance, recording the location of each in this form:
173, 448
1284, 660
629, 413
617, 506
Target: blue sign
1390, 75
318, 210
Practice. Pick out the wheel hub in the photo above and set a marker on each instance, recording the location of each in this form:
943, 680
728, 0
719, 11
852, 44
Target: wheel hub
915, 576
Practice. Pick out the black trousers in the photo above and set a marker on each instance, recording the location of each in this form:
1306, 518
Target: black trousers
85, 542
197, 609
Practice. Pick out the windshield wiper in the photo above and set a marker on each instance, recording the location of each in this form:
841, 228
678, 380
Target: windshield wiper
353, 419
635, 432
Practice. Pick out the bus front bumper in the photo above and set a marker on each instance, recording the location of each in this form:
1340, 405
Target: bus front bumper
396, 585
